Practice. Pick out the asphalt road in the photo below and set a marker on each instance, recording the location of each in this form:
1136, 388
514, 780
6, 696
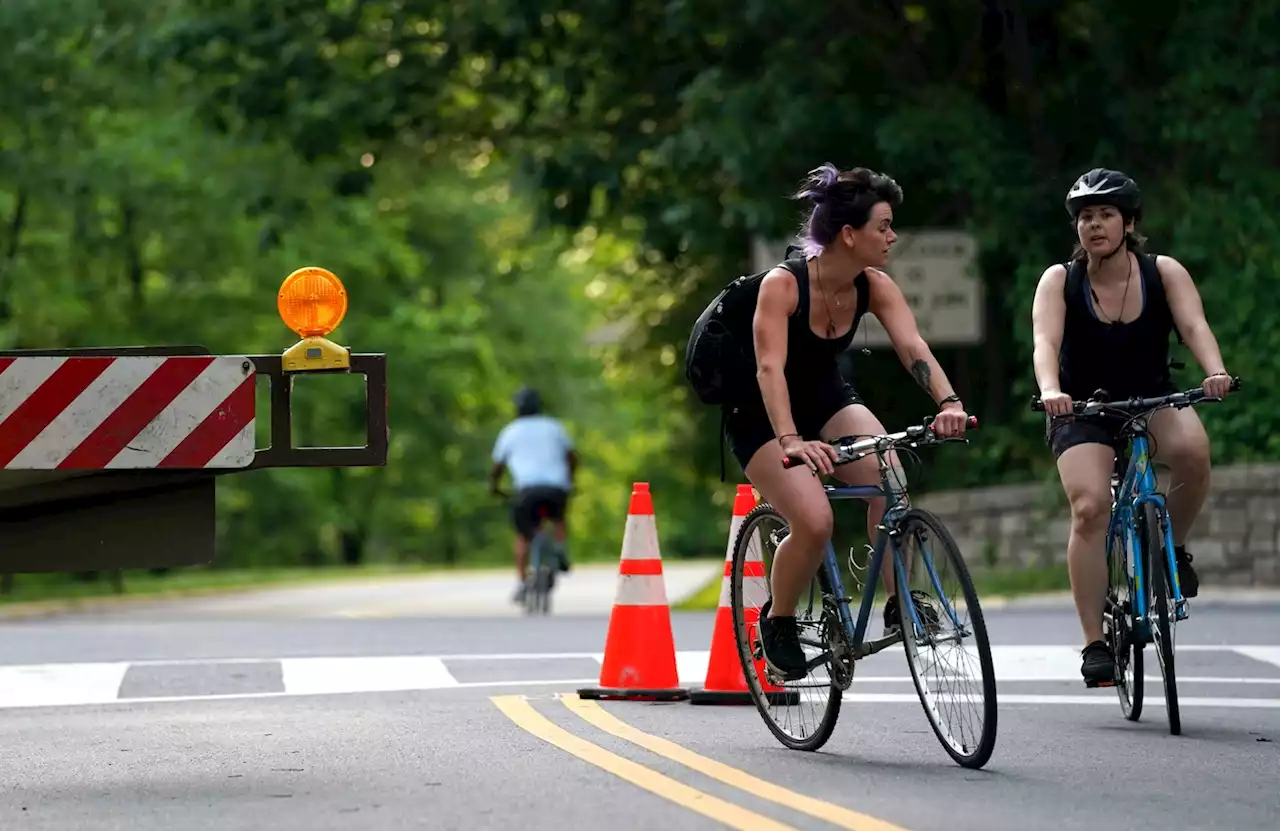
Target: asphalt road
300, 714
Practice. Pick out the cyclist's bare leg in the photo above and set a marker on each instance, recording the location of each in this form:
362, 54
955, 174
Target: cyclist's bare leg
1180, 442
559, 532
1085, 471
797, 494
853, 420
522, 557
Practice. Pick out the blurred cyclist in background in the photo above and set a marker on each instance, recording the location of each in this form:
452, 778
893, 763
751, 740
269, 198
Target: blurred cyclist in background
540, 456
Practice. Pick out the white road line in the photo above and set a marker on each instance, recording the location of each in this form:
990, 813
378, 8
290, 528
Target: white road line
1104, 700
861, 698
167, 699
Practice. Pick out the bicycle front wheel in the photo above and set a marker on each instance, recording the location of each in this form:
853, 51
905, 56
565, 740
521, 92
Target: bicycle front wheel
1160, 612
1117, 625
801, 714
945, 639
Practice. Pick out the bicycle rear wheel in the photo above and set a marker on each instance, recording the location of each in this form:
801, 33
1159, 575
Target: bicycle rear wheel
541, 577
1117, 625
964, 720
1161, 608
801, 714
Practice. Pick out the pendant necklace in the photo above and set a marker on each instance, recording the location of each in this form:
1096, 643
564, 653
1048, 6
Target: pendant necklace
831, 321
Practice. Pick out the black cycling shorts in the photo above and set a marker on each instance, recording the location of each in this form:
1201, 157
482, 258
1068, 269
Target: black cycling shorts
747, 425
1065, 432
531, 505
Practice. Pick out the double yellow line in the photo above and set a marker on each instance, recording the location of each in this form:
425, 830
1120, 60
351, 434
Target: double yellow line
520, 711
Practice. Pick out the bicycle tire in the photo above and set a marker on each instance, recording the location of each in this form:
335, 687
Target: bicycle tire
537, 599
1126, 649
1159, 582
764, 700
980, 752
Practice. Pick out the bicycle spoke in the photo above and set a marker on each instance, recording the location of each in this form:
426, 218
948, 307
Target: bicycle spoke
801, 713
945, 640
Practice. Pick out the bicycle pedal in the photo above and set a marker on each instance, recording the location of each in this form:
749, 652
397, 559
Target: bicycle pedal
1093, 685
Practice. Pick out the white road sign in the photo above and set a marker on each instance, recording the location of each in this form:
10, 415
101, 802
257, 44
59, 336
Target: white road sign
937, 273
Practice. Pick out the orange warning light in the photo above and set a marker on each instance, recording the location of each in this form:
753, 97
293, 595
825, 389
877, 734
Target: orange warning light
312, 301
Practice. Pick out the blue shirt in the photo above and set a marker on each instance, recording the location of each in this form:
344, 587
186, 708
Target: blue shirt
535, 450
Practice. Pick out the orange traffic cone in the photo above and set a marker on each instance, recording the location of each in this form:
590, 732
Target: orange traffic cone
725, 682
639, 651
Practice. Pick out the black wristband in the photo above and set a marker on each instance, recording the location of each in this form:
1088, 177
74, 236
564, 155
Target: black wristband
949, 399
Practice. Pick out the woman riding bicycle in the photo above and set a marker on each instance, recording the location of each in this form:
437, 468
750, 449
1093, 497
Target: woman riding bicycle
805, 317
1102, 322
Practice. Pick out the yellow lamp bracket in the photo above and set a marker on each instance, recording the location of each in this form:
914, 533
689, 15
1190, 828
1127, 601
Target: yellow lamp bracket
316, 353
312, 302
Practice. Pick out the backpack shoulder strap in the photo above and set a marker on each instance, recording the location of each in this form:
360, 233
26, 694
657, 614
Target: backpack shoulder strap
1151, 276
1075, 273
1154, 284
863, 287
800, 269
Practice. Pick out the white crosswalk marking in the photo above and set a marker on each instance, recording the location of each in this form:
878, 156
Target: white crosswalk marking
1270, 654
50, 685
882, 678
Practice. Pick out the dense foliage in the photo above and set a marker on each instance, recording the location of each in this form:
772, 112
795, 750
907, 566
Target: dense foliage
551, 192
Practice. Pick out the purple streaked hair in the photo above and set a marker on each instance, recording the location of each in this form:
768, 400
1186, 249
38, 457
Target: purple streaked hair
840, 199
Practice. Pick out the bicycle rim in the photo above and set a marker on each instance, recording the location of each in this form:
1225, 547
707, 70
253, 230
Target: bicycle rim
801, 714
536, 593
1162, 612
1117, 628
948, 650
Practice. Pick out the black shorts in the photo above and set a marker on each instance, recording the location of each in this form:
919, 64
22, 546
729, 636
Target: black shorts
1065, 432
747, 425
531, 505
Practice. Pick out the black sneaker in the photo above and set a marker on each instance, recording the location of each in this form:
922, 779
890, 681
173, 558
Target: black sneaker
924, 608
1099, 666
780, 642
1187, 577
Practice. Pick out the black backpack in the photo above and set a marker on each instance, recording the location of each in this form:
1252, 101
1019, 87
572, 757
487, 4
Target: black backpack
719, 358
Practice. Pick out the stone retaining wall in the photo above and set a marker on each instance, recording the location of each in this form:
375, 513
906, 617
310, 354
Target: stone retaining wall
1235, 540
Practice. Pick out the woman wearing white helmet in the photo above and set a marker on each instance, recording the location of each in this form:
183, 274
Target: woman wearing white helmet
1103, 321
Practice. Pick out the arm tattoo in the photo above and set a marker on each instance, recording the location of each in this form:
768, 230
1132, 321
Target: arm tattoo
920, 371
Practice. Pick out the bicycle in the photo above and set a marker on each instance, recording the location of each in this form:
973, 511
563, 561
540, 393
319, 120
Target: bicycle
544, 560
540, 571
1139, 525
839, 640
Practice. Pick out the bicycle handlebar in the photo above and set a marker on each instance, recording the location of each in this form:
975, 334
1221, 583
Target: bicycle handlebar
1096, 403
849, 450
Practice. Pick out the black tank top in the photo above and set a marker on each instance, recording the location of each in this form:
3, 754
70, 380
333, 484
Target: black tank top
1125, 359
812, 359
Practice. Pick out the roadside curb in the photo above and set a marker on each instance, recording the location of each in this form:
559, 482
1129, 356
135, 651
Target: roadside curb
53, 606
90, 604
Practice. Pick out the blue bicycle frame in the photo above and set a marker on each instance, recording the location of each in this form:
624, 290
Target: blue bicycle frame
1137, 489
855, 630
